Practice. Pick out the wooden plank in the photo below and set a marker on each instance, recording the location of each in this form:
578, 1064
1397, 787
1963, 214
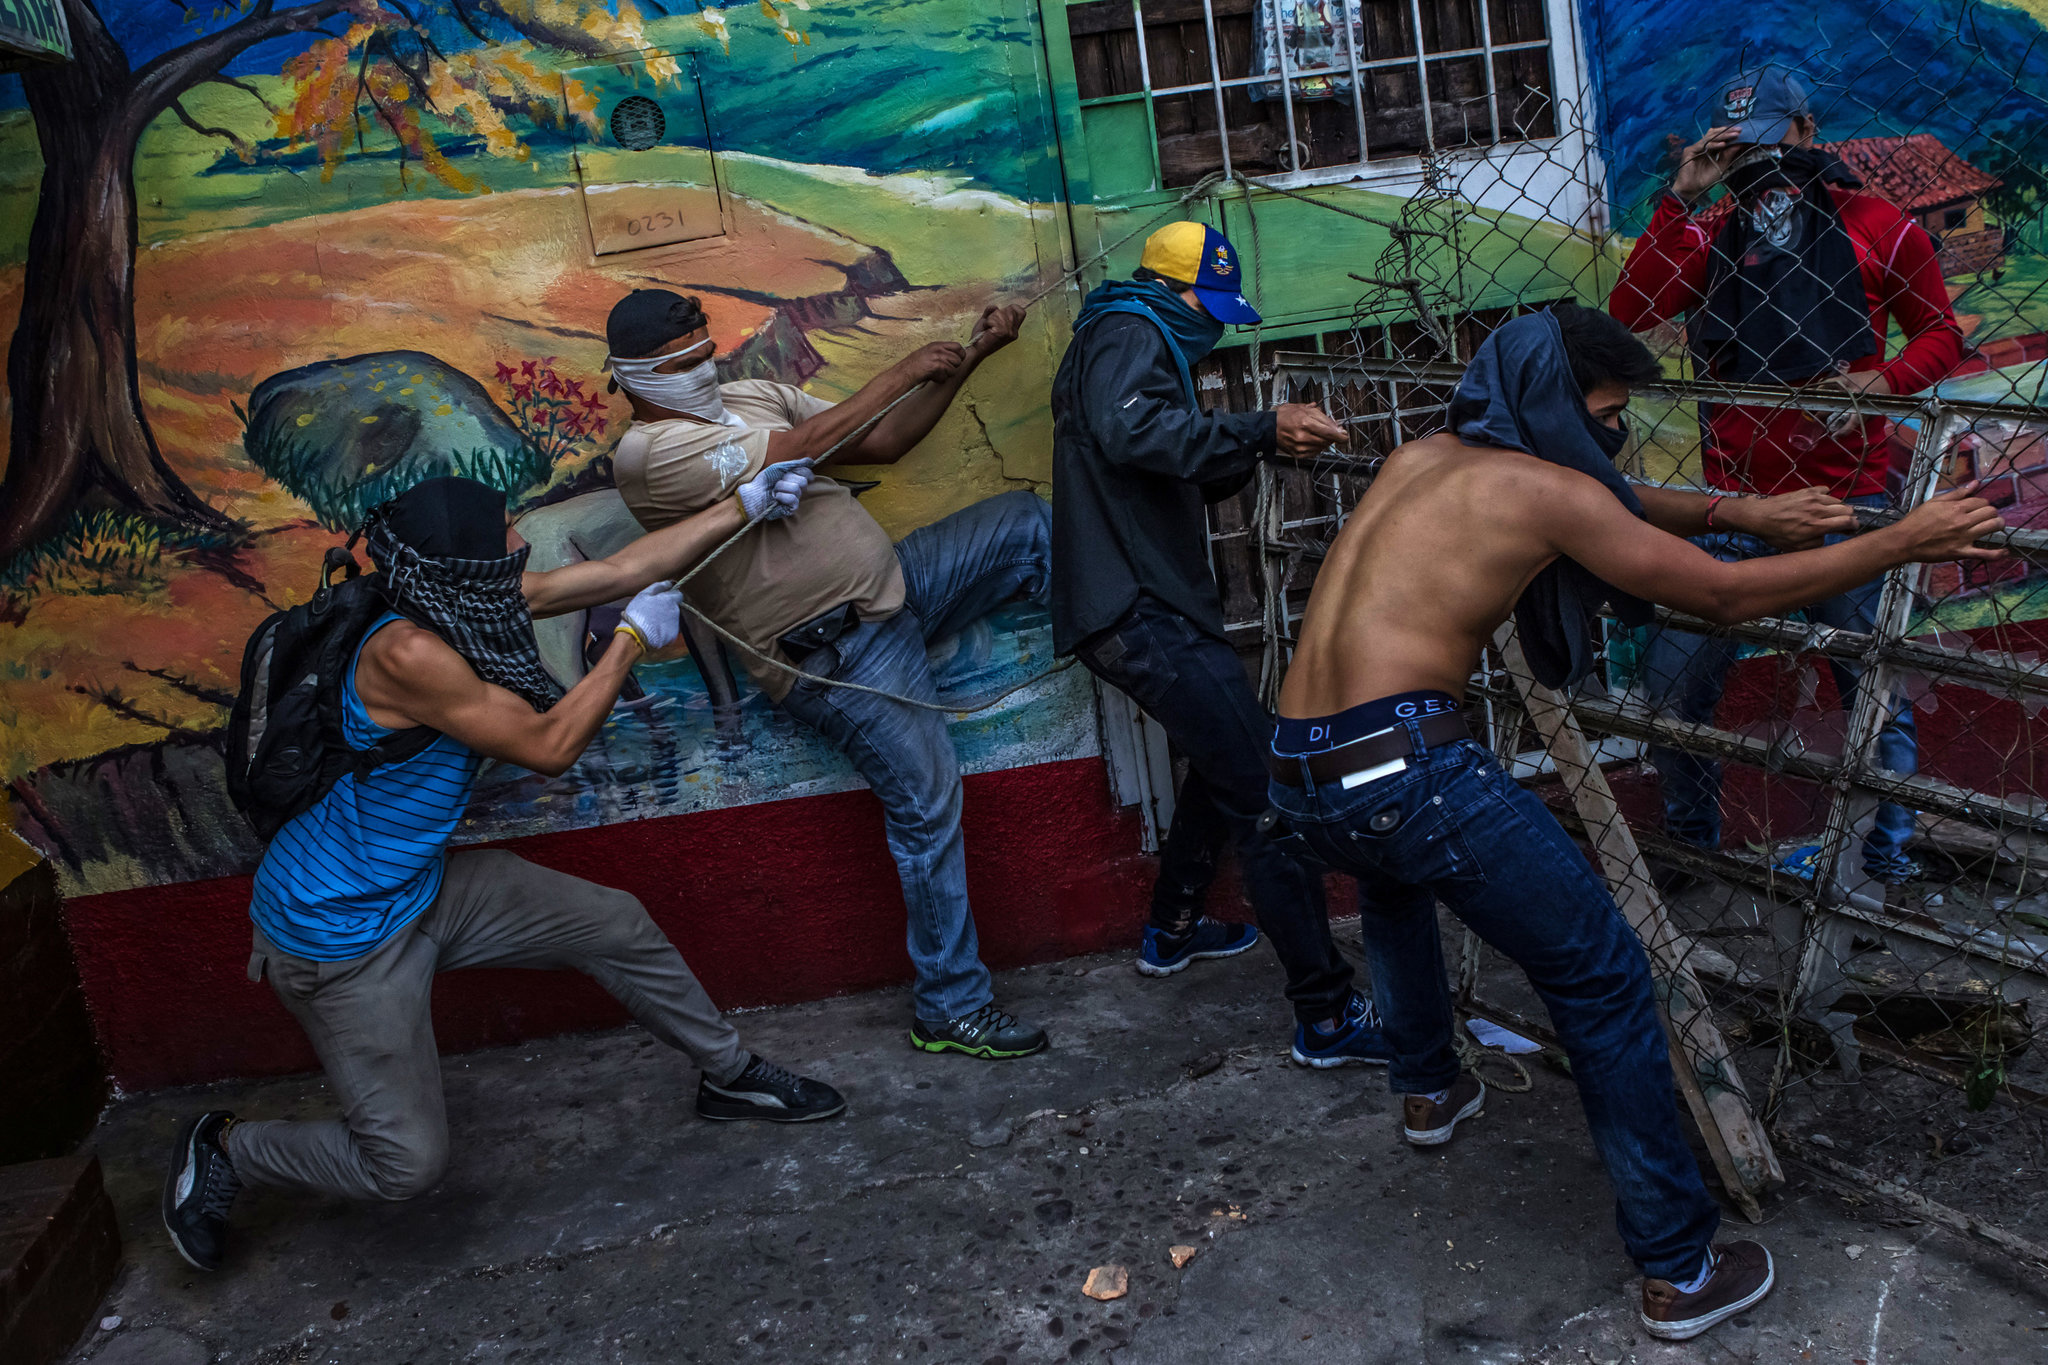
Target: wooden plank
1104, 16
1707, 1077
1857, 1180
1187, 157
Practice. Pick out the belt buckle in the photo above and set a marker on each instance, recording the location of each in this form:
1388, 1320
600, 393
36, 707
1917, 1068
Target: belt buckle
1372, 774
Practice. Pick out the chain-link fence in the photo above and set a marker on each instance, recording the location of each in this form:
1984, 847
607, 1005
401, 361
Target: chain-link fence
1827, 827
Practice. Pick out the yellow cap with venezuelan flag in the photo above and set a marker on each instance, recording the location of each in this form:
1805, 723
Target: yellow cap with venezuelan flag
1202, 258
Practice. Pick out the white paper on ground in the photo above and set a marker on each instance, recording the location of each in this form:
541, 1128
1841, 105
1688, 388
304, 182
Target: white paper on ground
1493, 1035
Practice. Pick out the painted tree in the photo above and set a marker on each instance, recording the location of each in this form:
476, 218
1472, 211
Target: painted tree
372, 73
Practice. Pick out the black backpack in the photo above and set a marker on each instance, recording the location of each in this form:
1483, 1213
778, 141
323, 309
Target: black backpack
285, 742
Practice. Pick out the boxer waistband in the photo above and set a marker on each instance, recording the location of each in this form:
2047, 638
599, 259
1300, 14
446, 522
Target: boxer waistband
1363, 738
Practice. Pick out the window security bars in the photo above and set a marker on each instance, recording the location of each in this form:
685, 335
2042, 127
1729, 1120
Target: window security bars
1305, 91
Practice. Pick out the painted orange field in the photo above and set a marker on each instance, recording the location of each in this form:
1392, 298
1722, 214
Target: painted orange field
477, 282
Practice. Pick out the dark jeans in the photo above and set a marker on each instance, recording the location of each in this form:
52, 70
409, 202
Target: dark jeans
954, 572
1454, 827
1193, 685
1684, 674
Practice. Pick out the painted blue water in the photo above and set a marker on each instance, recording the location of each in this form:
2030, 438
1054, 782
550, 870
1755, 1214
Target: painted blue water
664, 758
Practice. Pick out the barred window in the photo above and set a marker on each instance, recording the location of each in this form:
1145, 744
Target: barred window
1305, 90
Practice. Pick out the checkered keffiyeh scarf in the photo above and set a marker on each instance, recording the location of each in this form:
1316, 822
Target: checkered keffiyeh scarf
473, 604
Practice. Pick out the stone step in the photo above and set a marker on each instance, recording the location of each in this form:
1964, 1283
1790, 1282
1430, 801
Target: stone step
59, 1249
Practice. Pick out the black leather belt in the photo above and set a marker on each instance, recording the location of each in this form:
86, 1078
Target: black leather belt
1334, 765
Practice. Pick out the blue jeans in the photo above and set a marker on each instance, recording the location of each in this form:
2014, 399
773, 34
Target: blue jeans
954, 571
1684, 675
1195, 686
1454, 827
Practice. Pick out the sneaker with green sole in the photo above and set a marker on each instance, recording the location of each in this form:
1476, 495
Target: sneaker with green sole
988, 1032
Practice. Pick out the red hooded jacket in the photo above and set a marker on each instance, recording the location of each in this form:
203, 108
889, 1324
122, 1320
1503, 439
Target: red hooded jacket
1779, 450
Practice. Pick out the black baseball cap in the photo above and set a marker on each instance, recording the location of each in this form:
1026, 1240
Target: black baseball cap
648, 319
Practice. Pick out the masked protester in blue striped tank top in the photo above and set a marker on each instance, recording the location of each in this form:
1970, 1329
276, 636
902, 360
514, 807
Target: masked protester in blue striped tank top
358, 902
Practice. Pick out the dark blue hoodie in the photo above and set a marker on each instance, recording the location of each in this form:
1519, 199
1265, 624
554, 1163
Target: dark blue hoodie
1519, 394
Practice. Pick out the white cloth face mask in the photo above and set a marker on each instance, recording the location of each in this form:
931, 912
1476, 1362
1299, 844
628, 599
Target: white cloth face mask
694, 391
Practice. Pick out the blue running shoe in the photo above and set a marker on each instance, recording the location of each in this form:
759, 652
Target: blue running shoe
1896, 870
1162, 957
1357, 1041
1801, 862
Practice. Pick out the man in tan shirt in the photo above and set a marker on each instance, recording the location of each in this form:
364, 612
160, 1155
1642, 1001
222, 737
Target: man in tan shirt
828, 593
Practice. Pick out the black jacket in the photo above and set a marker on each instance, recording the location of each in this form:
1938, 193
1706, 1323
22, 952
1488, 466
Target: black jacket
1131, 458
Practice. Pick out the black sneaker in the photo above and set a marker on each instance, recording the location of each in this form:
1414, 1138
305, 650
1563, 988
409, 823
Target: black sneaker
988, 1032
198, 1189
768, 1092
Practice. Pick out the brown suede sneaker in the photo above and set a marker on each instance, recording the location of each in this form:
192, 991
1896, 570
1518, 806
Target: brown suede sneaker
1425, 1123
1742, 1275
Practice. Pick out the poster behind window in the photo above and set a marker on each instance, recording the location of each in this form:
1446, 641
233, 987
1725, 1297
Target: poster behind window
1313, 31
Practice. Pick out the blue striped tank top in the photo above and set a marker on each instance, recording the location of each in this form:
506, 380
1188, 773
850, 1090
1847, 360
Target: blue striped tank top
346, 875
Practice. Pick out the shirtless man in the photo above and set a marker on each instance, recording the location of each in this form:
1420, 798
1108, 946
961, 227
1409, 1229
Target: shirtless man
1376, 774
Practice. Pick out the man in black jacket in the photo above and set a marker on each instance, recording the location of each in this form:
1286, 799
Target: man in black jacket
1135, 459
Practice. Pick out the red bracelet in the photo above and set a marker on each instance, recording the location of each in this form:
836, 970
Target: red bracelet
1712, 503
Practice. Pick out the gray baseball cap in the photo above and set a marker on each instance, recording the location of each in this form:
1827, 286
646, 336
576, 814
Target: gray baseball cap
1761, 104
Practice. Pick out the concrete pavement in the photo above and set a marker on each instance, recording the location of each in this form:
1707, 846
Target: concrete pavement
953, 1214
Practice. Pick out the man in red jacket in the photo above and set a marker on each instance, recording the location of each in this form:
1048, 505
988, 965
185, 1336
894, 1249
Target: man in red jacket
1792, 277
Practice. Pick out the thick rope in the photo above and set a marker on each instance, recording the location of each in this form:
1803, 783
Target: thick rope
1471, 1055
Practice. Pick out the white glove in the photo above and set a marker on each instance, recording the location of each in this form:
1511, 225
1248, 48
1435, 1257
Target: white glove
775, 491
654, 617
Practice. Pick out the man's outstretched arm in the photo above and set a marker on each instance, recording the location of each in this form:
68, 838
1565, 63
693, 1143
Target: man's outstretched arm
657, 557
410, 676
912, 420
812, 438
1790, 521
1583, 521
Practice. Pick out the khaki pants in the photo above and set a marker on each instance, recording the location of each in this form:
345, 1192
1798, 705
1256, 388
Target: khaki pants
369, 1022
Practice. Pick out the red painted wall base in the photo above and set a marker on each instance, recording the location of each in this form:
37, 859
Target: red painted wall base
770, 904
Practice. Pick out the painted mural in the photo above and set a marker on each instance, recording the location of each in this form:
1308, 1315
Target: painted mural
357, 231
262, 263
1942, 108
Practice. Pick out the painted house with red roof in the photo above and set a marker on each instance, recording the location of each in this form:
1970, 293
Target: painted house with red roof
1943, 192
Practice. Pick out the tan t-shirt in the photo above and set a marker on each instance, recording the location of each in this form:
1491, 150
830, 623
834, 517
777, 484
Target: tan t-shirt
782, 573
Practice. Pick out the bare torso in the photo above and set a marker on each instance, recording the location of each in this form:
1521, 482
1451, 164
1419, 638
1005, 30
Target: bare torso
1438, 551
1431, 561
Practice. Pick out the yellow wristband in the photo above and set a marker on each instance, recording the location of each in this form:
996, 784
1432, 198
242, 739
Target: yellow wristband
628, 628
